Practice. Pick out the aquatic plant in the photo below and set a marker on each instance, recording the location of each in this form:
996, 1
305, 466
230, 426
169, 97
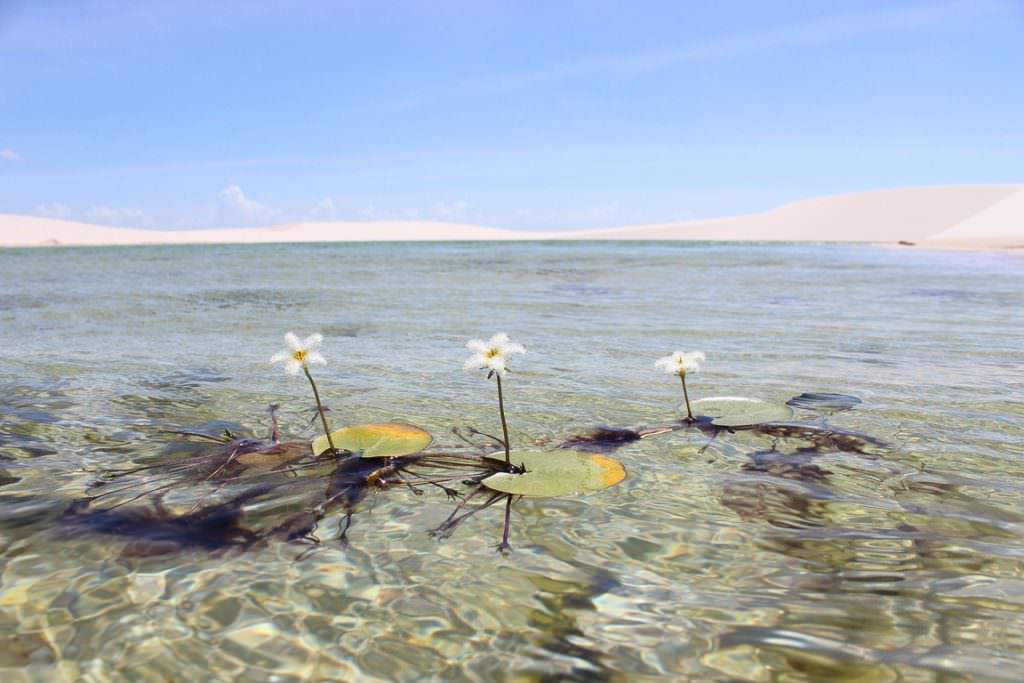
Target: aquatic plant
298, 356
680, 363
234, 457
156, 530
384, 440
739, 412
550, 474
537, 474
824, 402
493, 356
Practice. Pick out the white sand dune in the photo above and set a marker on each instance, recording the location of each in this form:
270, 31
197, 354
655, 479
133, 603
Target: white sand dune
23, 231
999, 225
883, 216
982, 216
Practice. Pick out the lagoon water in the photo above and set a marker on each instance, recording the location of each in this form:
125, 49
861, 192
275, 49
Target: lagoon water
744, 558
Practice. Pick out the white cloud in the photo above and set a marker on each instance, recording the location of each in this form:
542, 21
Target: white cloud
9, 154
107, 215
234, 199
104, 215
440, 209
450, 209
52, 210
594, 214
324, 209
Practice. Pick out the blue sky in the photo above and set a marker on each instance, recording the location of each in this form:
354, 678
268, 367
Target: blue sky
515, 114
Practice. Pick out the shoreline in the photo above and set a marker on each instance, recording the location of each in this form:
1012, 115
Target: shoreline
995, 246
985, 217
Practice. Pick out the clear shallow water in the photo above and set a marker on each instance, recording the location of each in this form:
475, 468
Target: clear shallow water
895, 564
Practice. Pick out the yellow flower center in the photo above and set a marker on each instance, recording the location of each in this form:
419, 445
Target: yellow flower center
300, 356
491, 353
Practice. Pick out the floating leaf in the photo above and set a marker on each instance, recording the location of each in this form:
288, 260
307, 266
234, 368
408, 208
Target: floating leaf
556, 473
736, 411
824, 402
383, 440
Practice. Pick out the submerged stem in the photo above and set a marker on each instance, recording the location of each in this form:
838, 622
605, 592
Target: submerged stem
686, 397
504, 546
504, 424
320, 408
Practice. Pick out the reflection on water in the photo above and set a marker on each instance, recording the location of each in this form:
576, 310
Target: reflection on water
879, 536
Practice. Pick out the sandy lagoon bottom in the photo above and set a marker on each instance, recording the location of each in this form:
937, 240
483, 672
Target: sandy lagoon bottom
746, 559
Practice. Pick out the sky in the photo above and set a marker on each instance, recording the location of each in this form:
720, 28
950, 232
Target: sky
529, 114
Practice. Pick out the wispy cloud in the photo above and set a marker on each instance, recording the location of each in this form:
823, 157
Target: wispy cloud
240, 206
119, 216
596, 214
98, 213
324, 210
449, 210
9, 154
438, 210
838, 28
52, 210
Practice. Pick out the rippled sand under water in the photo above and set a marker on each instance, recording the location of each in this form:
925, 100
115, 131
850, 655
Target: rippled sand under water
746, 558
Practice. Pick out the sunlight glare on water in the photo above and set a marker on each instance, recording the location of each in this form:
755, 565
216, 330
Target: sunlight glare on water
747, 557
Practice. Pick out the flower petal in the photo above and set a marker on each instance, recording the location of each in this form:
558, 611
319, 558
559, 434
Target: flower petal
508, 348
312, 341
292, 366
475, 362
280, 356
292, 341
316, 358
496, 363
667, 363
477, 345
498, 340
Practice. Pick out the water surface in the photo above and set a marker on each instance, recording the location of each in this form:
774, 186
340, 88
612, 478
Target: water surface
738, 560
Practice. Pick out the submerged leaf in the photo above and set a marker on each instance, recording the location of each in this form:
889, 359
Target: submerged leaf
557, 473
736, 411
603, 439
825, 439
382, 440
274, 456
824, 402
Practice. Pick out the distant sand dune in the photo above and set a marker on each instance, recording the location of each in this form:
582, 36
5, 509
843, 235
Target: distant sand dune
884, 216
983, 216
999, 225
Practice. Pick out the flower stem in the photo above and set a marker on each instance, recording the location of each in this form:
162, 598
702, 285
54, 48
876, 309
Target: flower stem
504, 546
686, 397
320, 408
504, 424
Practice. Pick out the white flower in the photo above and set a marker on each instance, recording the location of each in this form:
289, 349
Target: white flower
681, 362
492, 355
299, 354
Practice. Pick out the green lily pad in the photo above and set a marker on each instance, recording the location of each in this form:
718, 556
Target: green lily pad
384, 440
736, 411
556, 473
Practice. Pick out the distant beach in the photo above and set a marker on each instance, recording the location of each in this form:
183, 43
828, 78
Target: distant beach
957, 217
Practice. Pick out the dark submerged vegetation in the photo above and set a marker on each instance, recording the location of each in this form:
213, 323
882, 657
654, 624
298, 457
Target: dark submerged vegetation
236, 492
